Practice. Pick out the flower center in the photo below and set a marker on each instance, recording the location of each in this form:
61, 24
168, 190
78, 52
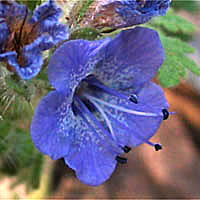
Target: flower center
89, 99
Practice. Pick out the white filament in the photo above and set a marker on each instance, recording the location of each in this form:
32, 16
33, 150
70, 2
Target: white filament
105, 117
146, 114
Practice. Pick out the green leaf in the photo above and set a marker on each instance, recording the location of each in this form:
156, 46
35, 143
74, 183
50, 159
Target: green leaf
177, 61
176, 45
171, 72
190, 6
190, 64
171, 23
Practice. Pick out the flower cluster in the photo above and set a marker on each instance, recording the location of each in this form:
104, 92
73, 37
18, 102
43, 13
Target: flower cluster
104, 102
123, 13
23, 37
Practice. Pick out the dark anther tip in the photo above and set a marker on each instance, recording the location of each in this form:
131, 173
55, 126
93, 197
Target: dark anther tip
126, 149
157, 147
133, 98
165, 114
121, 160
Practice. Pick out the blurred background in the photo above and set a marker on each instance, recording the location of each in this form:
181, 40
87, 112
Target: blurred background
173, 172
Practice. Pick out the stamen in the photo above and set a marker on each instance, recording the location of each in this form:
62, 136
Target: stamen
138, 136
157, 147
126, 149
106, 119
146, 114
165, 114
93, 118
133, 98
121, 160
94, 82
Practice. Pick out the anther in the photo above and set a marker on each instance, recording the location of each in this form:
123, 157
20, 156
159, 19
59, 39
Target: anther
165, 114
133, 98
157, 147
121, 160
126, 149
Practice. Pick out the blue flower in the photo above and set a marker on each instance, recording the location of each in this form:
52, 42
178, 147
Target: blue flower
23, 38
124, 13
104, 102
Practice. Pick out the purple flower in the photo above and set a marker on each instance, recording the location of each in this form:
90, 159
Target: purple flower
123, 13
104, 102
23, 38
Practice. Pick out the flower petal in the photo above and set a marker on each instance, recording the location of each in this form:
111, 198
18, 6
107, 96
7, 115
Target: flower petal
131, 59
53, 34
57, 132
92, 166
123, 13
131, 129
3, 34
47, 14
92, 154
139, 12
33, 59
48, 132
8, 55
72, 62
42, 43
12, 8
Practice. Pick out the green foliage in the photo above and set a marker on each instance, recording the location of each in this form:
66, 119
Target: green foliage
174, 68
84, 8
189, 5
15, 95
18, 154
31, 4
175, 32
85, 33
174, 25
78, 11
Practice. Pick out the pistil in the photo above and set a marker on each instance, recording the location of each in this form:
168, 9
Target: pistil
126, 149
